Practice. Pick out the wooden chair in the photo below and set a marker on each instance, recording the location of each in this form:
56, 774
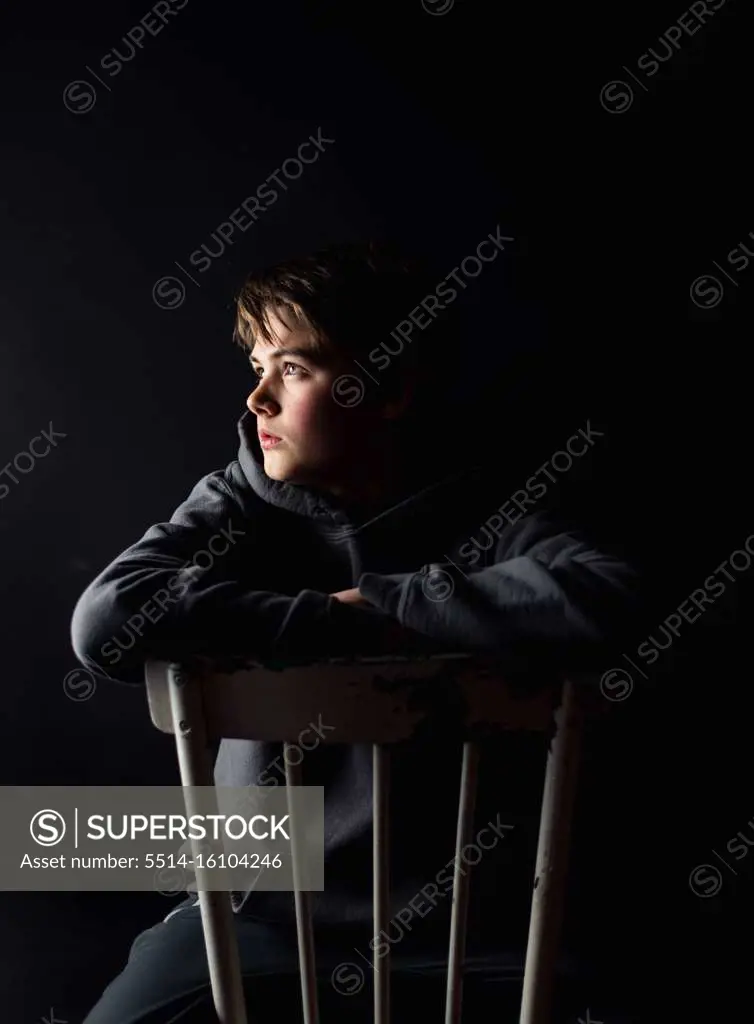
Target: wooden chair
205, 703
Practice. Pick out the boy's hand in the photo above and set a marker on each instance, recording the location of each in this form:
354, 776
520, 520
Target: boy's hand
395, 638
352, 596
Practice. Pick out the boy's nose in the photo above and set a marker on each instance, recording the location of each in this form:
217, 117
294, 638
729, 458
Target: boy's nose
258, 401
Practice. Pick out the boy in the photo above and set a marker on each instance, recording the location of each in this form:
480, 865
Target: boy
359, 517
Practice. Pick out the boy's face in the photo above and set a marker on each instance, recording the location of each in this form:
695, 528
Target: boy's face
321, 443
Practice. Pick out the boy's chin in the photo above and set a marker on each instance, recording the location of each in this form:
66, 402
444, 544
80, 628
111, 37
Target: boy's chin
278, 468
290, 471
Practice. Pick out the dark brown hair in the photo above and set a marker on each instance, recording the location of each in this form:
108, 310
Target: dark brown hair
351, 296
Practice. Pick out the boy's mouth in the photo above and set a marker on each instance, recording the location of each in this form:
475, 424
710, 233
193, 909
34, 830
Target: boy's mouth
268, 440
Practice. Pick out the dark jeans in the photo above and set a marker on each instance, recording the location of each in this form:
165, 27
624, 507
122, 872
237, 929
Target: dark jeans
166, 980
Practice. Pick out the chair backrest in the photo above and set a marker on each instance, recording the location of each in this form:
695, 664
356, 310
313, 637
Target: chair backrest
380, 701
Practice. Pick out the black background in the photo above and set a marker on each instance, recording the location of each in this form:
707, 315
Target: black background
445, 126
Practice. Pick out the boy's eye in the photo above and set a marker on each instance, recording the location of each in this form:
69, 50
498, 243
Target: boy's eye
258, 372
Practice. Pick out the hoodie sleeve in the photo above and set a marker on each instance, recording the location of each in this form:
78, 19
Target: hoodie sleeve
173, 595
549, 597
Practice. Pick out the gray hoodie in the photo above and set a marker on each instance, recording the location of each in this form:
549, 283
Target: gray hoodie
245, 567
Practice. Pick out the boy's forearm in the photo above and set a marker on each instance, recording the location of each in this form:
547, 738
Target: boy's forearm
546, 595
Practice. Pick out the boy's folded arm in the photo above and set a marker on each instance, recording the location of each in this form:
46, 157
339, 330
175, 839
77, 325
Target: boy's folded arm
153, 601
549, 596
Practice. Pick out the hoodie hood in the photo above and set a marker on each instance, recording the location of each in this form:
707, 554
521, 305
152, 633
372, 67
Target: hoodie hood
432, 480
301, 500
